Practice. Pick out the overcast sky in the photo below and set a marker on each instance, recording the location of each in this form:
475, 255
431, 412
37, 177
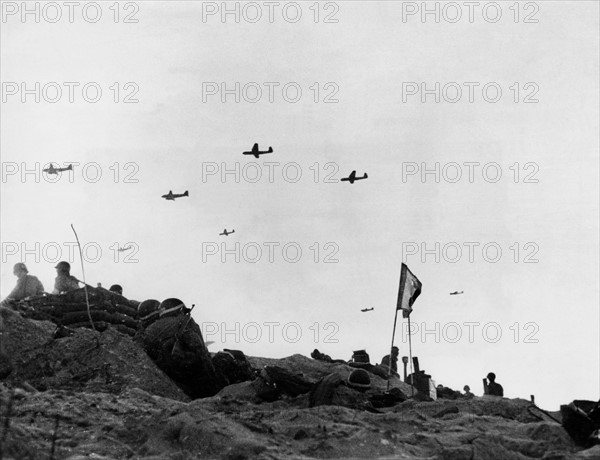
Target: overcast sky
347, 86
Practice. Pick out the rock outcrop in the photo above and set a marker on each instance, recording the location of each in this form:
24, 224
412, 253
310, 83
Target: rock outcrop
98, 395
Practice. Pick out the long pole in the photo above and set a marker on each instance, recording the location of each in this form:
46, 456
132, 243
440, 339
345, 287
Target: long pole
412, 373
391, 348
87, 300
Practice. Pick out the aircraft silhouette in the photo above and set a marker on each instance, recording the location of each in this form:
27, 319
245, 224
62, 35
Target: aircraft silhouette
257, 152
171, 196
368, 309
225, 232
456, 292
353, 177
53, 170
124, 249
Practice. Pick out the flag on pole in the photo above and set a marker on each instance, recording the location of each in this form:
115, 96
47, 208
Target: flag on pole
410, 288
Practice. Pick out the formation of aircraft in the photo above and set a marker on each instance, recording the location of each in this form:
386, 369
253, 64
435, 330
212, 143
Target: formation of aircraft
353, 177
456, 292
53, 170
124, 249
257, 152
368, 309
171, 196
226, 233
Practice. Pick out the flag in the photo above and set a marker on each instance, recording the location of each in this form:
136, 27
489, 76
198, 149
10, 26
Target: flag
410, 288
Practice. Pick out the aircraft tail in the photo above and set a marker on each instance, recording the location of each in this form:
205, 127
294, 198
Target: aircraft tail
270, 149
366, 175
70, 167
186, 193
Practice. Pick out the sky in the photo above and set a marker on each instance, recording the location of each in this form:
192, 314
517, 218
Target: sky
478, 131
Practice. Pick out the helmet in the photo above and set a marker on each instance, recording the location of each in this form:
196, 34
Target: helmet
63, 266
116, 288
359, 379
171, 303
20, 266
147, 307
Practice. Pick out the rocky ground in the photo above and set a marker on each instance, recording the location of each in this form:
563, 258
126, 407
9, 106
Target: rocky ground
98, 396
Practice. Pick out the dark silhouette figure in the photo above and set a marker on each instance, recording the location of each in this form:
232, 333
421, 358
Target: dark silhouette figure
456, 292
352, 177
226, 233
368, 309
171, 196
492, 388
257, 152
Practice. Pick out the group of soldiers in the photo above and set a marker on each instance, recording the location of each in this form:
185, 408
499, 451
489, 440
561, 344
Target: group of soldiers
29, 285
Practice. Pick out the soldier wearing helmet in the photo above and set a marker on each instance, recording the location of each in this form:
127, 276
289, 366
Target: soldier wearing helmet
27, 285
64, 282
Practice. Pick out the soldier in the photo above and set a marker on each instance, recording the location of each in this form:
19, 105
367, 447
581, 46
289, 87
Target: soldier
64, 282
174, 342
492, 388
27, 285
385, 361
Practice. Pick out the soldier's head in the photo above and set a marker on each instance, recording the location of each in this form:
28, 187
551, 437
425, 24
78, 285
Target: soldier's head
395, 352
467, 388
491, 377
116, 289
63, 267
20, 269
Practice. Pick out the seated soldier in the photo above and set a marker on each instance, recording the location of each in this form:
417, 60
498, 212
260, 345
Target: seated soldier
468, 394
27, 285
64, 282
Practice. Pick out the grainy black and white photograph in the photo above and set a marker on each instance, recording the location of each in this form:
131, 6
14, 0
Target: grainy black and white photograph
299, 230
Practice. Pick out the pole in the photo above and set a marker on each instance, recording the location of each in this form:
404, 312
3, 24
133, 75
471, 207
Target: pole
87, 300
412, 373
391, 347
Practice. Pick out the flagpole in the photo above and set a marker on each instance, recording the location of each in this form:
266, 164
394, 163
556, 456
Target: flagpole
391, 349
412, 373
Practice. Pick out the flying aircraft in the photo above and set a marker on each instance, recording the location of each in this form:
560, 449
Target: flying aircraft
226, 233
171, 196
53, 170
124, 249
353, 177
257, 152
368, 309
456, 292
